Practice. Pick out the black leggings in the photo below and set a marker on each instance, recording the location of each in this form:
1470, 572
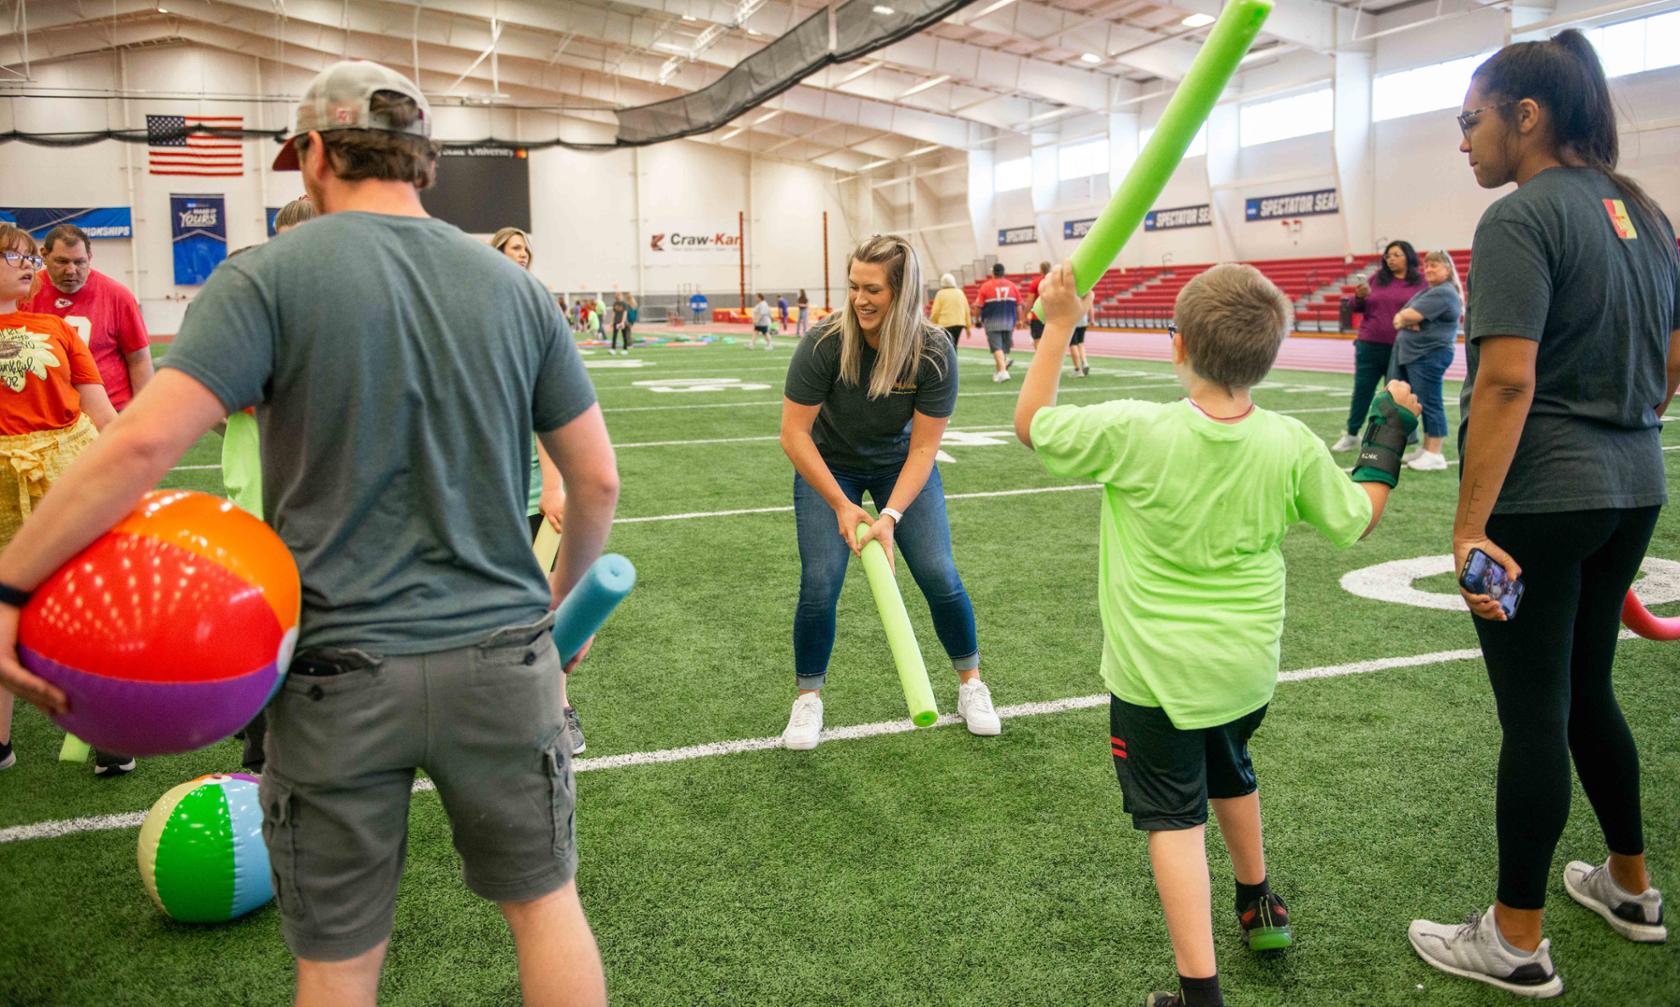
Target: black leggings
625, 331
1550, 670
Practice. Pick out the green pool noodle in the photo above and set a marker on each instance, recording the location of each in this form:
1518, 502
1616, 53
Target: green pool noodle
901, 637
1188, 109
74, 749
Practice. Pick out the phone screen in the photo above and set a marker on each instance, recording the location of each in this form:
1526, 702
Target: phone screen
1484, 576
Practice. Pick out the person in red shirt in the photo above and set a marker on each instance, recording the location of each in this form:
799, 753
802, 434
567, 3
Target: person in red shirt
999, 315
51, 402
97, 308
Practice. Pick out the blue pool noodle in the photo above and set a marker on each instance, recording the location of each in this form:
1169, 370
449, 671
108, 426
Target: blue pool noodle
589, 604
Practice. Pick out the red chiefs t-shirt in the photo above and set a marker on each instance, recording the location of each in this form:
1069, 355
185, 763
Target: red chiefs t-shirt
107, 318
1032, 291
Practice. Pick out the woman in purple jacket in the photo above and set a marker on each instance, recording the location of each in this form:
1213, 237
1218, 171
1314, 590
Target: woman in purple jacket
1392, 285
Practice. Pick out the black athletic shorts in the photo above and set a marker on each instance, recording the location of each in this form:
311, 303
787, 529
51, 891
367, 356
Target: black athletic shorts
1167, 775
1078, 337
1036, 324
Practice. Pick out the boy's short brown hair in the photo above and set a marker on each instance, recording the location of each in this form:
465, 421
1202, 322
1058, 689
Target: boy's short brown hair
1233, 321
358, 154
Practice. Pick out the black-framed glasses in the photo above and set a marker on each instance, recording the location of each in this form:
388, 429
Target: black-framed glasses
1172, 330
1470, 117
17, 259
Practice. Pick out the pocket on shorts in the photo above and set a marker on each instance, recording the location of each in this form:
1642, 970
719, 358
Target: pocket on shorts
515, 646
557, 766
280, 836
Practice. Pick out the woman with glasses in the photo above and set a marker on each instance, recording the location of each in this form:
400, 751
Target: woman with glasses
1574, 355
1391, 285
869, 393
51, 404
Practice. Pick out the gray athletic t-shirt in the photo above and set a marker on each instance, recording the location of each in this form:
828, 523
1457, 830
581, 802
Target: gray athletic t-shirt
1568, 261
852, 431
1441, 308
398, 368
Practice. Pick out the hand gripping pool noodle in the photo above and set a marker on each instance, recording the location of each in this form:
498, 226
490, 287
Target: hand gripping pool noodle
1637, 617
901, 638
1189, 108
74, 749
589, 603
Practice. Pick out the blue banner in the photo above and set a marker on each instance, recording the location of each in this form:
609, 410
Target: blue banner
98, 222
272, 212
1017, 235
1077, 228
198, 229
1178, 216
1295, 204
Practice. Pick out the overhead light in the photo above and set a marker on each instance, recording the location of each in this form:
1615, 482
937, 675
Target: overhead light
1254, 54
919, 151
1197, 20
681, 50
924, 85
1090, 57
993, 7
732, 134
1043, 116
872, 165
689, 17
766, 117
754, 32
883, 10
855, 74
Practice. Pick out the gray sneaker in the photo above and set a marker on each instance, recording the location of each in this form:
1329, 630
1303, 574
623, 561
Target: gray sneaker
1636, 917
575, 726
1475, 950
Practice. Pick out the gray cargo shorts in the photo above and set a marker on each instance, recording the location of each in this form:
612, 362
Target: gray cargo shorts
1000, 340
346, 733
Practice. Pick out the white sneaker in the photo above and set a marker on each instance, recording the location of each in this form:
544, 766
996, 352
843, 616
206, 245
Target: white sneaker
999, 376
1346, 442
1428, 461
1412, 453
1636, 917
974, 706
804, 726
1475, 950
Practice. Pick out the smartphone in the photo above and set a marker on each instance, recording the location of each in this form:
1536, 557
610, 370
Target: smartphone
1484, 575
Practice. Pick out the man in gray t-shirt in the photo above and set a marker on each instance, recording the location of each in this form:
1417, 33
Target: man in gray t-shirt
398, 369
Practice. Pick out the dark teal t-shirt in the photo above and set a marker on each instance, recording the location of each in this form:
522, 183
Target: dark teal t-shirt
398, 368
852, 431
1568, 261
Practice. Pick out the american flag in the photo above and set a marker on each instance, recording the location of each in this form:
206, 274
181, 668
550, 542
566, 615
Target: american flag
176, 147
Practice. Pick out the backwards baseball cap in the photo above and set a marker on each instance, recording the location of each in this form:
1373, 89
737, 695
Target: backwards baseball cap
340, 97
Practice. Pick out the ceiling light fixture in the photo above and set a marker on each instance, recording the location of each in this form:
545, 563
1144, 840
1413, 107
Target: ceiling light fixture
924, 85
883, 10
680, 50
855, 74
1197, 20
732, 134
990, 8
1090, 57
919, 151
766, 117
1044, 116
872, 165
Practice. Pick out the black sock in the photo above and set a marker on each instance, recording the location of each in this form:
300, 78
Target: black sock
1200, 992
1248, 893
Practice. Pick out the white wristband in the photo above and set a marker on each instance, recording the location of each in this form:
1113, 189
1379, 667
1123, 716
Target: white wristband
897, 516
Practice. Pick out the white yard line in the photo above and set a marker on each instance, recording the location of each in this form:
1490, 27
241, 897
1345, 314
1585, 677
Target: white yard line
788, 509
99, 823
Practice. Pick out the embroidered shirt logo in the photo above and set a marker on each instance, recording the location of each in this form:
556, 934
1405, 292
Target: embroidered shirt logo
1620, 220
23, 353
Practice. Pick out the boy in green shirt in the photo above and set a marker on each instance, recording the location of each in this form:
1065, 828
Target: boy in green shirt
1197, 497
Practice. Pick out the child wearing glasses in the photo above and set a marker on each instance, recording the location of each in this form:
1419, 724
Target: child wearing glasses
1198, 495
51, 404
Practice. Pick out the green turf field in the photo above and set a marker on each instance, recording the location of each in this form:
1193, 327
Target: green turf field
905, 868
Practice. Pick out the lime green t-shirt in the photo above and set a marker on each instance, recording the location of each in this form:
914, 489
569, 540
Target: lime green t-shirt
1191, 571
242, 462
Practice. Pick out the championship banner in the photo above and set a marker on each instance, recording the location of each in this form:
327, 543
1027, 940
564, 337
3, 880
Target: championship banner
1295, 204
1017, 235
98, 222
1178, 216
1077, 228
198, 230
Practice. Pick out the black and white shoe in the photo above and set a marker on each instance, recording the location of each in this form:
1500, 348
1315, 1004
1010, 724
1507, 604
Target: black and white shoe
1636, 917
575, 726
1475, 950
105, 764
8, 758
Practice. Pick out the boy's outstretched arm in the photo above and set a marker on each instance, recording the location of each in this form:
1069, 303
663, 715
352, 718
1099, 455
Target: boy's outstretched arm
1063, 307
1394, 415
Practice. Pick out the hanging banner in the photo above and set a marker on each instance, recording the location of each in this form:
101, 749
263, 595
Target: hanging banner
97, 222
1178, 216
271, 212
1295, 204
1017, 235
198, 230
1077, 228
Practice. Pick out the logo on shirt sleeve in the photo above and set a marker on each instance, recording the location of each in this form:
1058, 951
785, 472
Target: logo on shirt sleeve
1620, 220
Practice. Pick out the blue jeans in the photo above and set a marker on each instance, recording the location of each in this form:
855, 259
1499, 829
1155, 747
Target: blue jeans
923, 540
1424, 375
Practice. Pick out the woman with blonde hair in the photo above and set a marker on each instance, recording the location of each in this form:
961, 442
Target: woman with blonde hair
1428, 328
869, 393
51, 404
950, 308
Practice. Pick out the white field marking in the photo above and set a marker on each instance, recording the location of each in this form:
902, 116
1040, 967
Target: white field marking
692, 515
774, 437
1393, 582
194, 468
66, 827
964, 395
